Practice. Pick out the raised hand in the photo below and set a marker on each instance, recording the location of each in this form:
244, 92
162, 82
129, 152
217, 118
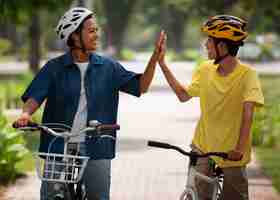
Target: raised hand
148, 75
162, 49
158, 45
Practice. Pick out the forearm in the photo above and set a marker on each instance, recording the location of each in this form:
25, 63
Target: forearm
148, 75
179, 90
247, 120
30, 106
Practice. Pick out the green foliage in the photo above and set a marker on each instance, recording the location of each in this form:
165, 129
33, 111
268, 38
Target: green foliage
5, 46
21, 11
127, 54
22, 160
12, 151
270, 161
18, 87
267, 121
190, 54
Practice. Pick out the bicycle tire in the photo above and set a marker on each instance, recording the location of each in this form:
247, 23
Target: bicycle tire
189, 194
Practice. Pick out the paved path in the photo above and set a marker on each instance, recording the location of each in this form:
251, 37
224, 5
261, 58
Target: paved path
143, 173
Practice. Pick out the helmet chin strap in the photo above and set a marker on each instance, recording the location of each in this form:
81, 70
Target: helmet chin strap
82, 48
219, 58
82, 43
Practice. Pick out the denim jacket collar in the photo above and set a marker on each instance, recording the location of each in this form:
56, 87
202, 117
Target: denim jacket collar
93, 59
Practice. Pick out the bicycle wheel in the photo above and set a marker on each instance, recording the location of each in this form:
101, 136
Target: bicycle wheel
188, 194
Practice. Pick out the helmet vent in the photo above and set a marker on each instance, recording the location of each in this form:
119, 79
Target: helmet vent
75, 19
78, 10
237, 33
224, 29
212, 28
59, 28
66, 26
234, 25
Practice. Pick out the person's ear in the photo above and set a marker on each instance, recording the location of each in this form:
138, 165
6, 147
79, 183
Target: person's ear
75, 38
222, 46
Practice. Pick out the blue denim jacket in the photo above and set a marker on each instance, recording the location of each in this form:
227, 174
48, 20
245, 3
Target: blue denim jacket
59, 83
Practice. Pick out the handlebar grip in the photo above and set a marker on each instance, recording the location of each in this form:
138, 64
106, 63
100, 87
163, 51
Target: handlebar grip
219, 154
159, 145
29, 124
223, 155
108, 127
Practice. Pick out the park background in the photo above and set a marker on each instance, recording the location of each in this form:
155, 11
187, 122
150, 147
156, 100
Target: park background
128, 30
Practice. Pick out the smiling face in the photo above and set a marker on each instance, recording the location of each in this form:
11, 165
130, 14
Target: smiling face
89, 33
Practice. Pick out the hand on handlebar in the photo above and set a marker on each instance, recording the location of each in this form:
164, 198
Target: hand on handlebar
235, 155
23, 120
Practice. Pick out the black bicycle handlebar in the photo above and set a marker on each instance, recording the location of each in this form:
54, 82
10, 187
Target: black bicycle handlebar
159, 145
98, 128
190, 154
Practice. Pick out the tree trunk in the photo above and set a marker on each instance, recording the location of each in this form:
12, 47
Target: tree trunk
177, 28
8, 31
35, 40
173, 21
117, 14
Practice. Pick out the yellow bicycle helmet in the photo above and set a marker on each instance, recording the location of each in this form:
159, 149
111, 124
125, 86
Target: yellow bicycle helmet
226, 27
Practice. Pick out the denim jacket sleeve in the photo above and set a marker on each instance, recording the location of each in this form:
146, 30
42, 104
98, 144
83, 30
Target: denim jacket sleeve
126, 81
39, 87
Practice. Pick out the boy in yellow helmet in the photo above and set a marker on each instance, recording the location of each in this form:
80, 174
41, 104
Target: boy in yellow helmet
229, 91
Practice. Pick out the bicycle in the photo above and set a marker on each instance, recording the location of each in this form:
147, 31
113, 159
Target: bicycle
66, 170
190, 192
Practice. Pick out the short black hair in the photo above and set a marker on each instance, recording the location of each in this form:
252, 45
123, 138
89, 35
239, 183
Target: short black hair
70, 41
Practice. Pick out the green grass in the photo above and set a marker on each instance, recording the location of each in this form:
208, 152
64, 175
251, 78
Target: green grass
269, 156
4, 59
270, 161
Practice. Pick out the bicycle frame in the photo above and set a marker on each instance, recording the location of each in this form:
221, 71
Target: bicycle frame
190, 192
190, 185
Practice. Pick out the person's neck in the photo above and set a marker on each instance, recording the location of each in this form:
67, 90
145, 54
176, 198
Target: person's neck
227, 65
79, 55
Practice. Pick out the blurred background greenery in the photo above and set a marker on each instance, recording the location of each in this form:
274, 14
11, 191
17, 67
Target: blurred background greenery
129, 28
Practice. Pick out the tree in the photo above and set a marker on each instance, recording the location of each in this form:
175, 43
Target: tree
117, 14
29, 12
177, 15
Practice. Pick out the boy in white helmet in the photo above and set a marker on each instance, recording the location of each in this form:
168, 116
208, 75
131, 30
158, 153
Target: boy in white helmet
80, 86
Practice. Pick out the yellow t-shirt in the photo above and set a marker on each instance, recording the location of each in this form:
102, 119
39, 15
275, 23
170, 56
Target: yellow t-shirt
221, 103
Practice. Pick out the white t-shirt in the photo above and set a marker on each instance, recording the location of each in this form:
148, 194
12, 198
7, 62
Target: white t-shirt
80, 120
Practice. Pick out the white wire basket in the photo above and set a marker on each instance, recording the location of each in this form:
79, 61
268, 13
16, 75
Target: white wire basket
60, 168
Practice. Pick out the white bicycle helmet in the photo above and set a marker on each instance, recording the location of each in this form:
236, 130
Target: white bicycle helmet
70, 21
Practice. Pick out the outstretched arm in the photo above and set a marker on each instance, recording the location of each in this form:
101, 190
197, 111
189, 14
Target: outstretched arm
176, 86
146, 78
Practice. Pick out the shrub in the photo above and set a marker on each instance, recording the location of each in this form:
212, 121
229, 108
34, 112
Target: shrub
190, 54
12, 151
267, 121
5, 46
127, 54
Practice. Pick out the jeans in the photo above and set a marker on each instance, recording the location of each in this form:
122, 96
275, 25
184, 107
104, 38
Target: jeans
97, 179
